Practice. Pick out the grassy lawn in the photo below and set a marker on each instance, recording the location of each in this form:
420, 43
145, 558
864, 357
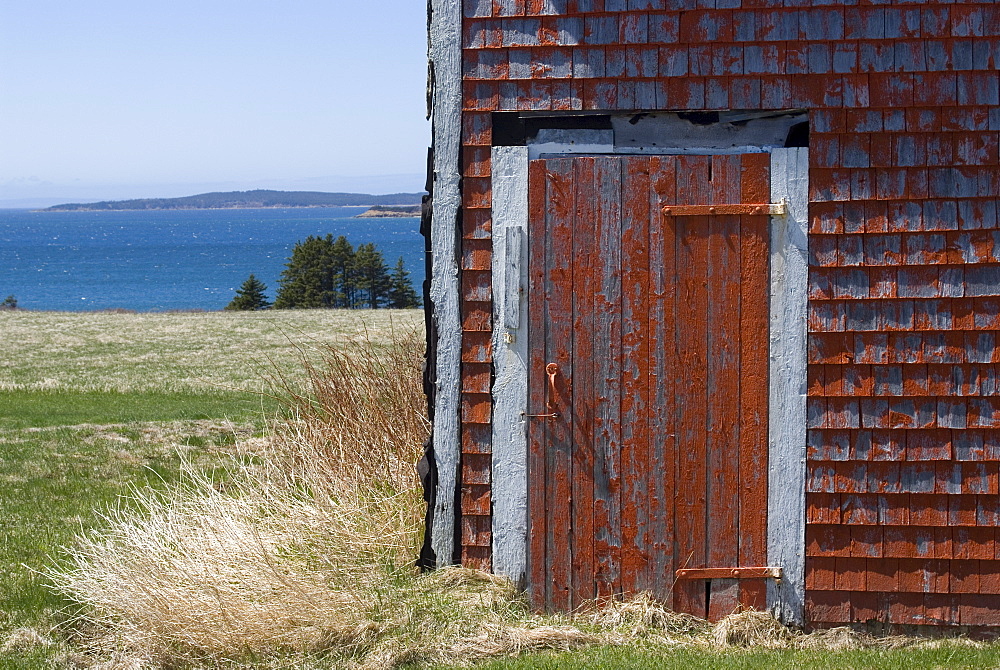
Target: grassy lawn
171, 352
92, 404
37, 409
948, 655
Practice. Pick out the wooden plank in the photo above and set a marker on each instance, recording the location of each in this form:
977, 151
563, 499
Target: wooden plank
692, 336
558, 349
663, 373
607, 379
723, 387
510, 362
584, 288
445, 52
754, 323
537, 527
635, 468
787, 406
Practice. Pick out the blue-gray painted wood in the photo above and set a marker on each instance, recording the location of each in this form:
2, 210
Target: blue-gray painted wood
786, 517
510, 361
445, 52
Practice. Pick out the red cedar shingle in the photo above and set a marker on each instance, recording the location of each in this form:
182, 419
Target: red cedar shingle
476, 377
903, 350
476, 438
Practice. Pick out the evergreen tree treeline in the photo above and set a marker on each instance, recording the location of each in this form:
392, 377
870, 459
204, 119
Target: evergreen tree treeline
324, 272
250, 296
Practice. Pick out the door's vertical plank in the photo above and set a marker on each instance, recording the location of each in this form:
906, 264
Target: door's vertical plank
635, 372
537, 527
754, 325
607, 378
723, 385
663, 373
584, 288
692, 338
558, 349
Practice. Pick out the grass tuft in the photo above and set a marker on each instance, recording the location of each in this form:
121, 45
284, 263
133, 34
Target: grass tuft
751, 628
24, 639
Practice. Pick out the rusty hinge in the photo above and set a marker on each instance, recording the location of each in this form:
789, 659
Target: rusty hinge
771, 208
730, 573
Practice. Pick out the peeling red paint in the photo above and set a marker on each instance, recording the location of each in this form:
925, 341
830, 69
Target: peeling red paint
904, 314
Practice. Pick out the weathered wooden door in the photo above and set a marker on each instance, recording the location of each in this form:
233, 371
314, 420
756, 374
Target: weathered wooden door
649, 345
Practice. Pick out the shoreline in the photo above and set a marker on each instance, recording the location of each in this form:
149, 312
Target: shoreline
381, 214
199, 310
48, 210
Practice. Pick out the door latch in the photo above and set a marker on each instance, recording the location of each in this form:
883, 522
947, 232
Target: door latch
551, 370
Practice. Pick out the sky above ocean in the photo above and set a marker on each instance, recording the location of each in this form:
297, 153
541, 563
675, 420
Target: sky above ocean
111, 99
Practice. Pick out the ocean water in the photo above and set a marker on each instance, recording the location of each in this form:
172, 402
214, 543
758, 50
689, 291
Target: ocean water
173, 259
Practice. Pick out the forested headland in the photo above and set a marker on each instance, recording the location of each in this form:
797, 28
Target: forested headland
247, 200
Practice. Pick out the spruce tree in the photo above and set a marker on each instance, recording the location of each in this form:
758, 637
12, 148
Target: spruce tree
342, 258
401, 294
308, 280
372, 275
250, 296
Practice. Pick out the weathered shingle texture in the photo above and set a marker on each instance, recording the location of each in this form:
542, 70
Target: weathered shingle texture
904, 312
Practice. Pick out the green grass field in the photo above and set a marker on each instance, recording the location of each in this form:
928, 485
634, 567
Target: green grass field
627, 658
92, 404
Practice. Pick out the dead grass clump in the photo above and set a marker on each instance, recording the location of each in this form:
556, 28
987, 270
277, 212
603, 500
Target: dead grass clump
761, 630
642, 614
843, 638
840, 638
458, 616
494, 641
24, 639
752, 628
475, 589
361, 394
207, 572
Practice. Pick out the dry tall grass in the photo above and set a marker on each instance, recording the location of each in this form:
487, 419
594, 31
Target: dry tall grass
296, 551
305, 558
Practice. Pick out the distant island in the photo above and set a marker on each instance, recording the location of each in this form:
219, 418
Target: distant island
250, 200
388, 212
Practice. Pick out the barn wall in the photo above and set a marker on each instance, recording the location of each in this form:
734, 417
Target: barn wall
904, 311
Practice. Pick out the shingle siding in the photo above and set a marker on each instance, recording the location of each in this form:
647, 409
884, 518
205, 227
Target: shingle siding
904, 397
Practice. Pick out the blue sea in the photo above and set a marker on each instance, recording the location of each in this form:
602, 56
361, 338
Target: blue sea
173, 259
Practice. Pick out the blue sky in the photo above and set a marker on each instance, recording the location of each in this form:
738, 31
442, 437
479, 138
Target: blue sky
110, 99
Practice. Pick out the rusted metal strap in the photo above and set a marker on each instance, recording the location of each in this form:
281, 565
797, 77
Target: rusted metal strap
730, 573
771, 208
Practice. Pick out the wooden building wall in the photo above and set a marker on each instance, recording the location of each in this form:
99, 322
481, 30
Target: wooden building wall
904, 372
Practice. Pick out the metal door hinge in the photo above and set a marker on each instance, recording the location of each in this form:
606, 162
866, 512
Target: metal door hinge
730, 573
553, 415
770, 208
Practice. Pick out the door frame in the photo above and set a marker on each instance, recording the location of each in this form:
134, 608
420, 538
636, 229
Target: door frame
788, 240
